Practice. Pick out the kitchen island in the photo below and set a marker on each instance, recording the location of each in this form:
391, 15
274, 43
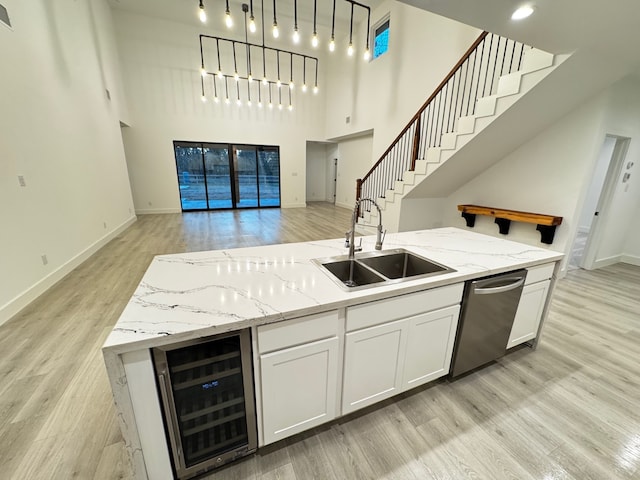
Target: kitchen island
194, 295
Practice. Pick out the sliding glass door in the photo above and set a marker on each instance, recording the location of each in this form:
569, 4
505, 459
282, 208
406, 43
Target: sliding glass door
221, 176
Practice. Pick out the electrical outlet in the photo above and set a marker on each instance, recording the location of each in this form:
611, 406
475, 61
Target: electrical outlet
22, 181
45, 260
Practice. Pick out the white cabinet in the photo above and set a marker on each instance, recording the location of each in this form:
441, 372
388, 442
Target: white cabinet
429, 346
299, 375
531, 307
396, 344
298, 388
373, 363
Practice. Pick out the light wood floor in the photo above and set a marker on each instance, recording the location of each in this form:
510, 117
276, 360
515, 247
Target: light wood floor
569, 410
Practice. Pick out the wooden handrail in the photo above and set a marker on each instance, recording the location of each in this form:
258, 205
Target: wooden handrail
449, 76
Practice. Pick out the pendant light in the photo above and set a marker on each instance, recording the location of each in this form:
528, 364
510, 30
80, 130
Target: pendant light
226, 88
314, 38
215, 90
201, 13
350, 47
332, 42
291, 85
367, 53
304, 74
296, 34
227, 16
252, 20
204, 97
275, 31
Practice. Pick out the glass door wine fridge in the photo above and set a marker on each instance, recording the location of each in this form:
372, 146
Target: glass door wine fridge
206, 387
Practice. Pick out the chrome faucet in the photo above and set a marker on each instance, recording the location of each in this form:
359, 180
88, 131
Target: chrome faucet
350, 235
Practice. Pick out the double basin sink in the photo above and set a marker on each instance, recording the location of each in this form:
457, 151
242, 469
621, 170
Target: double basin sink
379, 268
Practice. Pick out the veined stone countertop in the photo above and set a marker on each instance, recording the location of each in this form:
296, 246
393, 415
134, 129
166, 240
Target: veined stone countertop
191, 295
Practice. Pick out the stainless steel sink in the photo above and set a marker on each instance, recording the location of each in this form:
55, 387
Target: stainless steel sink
379, 268
361, 276
402, 264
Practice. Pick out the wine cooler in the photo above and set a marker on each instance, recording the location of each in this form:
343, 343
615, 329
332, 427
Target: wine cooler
206, 387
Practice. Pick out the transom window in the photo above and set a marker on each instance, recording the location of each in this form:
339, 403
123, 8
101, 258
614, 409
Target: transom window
381, 37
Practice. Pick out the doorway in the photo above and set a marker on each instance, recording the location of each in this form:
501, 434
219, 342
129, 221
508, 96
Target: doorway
215, 176
584, 251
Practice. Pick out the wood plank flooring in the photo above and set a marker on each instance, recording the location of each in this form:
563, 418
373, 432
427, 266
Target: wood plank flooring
569, 410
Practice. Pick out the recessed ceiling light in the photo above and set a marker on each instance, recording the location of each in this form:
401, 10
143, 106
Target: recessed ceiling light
522, 12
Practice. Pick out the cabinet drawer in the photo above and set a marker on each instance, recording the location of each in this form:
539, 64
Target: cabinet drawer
539, 273
389, 309
297, 331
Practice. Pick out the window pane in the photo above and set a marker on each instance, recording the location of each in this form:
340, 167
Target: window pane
191, 178
216, 161
381, 40
246, 176
269, 178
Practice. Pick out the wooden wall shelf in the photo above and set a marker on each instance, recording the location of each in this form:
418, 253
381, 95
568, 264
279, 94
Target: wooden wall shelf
546, 224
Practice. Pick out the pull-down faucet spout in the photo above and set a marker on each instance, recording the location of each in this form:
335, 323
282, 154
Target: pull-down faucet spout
350, 235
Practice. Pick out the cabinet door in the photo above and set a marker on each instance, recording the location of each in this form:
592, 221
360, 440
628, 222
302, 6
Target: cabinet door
429, 346
529, 313
373, 363
299, 388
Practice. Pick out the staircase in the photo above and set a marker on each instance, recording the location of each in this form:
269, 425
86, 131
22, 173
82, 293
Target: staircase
489, 79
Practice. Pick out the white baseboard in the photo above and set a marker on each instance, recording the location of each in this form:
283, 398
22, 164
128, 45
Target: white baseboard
152, 211
605, 262
348, 206
14, 306
630, 259
294, 205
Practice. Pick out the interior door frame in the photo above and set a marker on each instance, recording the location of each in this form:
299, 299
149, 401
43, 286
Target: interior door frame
594, 240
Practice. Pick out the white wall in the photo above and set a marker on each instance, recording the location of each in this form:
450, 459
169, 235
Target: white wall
162, 78
385, 93
62, 133
354, 156
317, 172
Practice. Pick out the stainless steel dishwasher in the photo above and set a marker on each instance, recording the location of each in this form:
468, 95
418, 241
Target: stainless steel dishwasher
488, 308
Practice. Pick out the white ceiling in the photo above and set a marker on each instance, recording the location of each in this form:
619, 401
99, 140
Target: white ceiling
606, 29
186, 11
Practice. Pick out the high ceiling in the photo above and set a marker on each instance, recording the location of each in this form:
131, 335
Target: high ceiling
606, 29
186, 11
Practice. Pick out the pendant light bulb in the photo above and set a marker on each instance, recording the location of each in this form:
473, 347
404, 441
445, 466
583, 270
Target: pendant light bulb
216, 99
236, 77
250, 78
248, 103
290, 107
203, 98
278, 83
275, 31
252, 25
203, 71
296, 36
304, 87
332, 45
367, 54
264, 81
270, 105
228, 20
350, 50
201, 13
219, 74
315, 89
291, 85
279, 106
227, 101
259, 104
314, 40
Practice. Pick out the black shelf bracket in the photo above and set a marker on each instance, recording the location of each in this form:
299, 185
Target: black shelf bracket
547, 232
470, 218
503, 225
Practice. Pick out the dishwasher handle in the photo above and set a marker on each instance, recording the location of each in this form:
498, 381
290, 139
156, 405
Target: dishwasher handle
517, 283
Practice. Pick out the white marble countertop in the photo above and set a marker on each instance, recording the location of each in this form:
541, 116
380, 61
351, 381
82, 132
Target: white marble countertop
191, 295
